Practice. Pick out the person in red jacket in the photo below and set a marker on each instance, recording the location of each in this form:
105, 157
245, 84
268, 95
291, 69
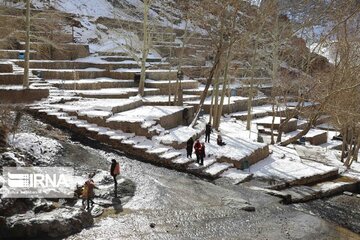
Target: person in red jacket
197, 148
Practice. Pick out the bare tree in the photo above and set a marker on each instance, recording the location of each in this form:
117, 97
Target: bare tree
216, 18
27, 48
146, 46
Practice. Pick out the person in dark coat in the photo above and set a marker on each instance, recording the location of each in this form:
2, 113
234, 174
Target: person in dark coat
189, 147
208, 131
114, 172
197, 147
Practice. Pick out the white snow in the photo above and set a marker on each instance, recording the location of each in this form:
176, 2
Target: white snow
285, 164
179, 135
268, 120
236, 175
144, 113
216, 168
93, 113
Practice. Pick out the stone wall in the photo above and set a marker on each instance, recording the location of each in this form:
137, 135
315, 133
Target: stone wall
6, 68
11, 79
176, 119
254, 157
317, 139
22, 96
62, 52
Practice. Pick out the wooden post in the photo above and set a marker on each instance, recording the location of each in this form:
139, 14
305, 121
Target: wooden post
27, 47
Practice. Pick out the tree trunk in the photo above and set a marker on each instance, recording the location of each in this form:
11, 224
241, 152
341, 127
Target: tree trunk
300, 134
180, 100
356, 151
216, 96
145, 50
344, 144
27, 47
178, 81
273, 122
211, 106
250, 99
219, 52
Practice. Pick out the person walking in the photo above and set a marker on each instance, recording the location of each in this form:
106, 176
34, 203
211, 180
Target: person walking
208, 131
88, 192
197, 147
114, 172
189, 147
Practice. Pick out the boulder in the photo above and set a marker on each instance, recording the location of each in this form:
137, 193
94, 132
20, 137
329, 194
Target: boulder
59, 223
11, 206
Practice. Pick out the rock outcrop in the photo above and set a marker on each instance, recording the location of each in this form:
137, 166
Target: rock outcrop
60, 222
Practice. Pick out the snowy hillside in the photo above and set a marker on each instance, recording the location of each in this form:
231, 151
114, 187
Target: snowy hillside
163, 10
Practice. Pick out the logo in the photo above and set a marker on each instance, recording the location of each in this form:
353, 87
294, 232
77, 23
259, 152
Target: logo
38, 182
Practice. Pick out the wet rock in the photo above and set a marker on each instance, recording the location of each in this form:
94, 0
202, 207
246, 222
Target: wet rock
55, 224
8, 159
97, 211
348, 193
43, 207
248, 208
11, 206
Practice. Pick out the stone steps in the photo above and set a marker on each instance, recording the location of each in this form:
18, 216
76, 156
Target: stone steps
196, 91
320, 190
266, 123
128, 58
115, 92
62, 51
183, 161
92, 84
114, 53
14, 54
11, 79
255, 153
130, 140
148, 120
236, 175
170, 85
198, 169
69, 74
237, 104
216, 169
68, 64
163, 100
